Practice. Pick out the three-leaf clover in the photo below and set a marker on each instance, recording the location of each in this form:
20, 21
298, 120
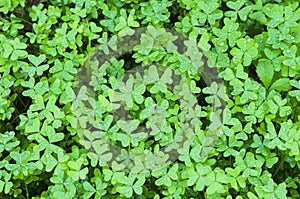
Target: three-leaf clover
64, 71
132, 136
130, 184
155, 11
22, 166
125, 24
200, 175
160, 83
277, 104
99, 189
5, 183
14, 49
246, 52
129, 92
236, 180
166, 178
75, 171
110, 21
229, 31
238, 9
291, 60
156, 114
37, 68
210, 12
39, 88
105, 44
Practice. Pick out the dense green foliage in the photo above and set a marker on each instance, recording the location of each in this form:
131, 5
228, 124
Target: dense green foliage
84, 116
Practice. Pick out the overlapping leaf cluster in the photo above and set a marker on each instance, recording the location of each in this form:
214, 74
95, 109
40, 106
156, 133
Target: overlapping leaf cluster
251, 151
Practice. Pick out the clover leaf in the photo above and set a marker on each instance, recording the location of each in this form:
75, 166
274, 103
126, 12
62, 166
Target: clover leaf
8, 143
276, 104
37, 68
235, 179
129, 92
125, 24
295, 93
14, 49
238, 9
5, 184
246, 52
22, 166
105, 44
152, 76
291, 59
167, 179
210, 12
155, 12
65, 71
203, 176
131, 184
75, 171
156, 114
98, 189
229, 31
259, 12
109, 22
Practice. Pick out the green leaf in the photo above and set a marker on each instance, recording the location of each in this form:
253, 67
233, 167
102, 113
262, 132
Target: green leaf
64, 71
49, 161
295, 93
265, 72
33, 126
281, 84
38, 103
151, 75
56, 137
128, 127
252, 195
36, 61
246, 52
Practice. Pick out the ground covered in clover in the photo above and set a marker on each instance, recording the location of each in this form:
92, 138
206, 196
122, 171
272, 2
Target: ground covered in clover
149, 99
